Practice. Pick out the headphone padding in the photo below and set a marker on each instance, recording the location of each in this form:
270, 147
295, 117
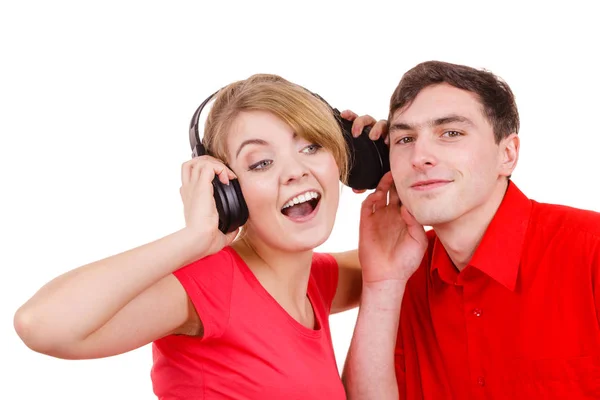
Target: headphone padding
368, 160
231, 206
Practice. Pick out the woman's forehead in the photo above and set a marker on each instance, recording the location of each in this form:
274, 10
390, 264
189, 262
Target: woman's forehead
259, 125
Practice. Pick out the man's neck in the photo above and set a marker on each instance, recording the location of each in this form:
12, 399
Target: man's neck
462, 236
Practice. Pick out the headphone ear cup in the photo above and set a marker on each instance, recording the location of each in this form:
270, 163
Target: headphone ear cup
231, 206
229, 201
368, 159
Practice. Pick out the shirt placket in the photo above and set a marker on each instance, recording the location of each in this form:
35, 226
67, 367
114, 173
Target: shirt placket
474, 320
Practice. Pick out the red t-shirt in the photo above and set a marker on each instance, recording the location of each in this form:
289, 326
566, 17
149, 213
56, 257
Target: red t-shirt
521, 321
251, 347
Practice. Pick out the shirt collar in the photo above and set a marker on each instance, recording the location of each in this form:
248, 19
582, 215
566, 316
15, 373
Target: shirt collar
499, 252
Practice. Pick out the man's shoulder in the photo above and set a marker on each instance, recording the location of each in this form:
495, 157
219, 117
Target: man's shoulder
563, 217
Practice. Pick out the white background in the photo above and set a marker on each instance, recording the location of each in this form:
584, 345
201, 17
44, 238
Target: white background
96, 97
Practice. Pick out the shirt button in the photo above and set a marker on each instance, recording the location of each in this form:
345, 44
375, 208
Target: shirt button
481, 381
477, 312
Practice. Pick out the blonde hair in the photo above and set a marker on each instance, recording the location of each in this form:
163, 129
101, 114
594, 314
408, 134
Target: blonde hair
308, 116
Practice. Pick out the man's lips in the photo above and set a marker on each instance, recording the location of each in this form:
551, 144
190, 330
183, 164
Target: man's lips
429, 184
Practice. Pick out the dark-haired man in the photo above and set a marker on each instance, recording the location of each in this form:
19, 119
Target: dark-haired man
503, 298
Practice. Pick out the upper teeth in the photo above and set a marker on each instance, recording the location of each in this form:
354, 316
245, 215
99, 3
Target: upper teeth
301, 199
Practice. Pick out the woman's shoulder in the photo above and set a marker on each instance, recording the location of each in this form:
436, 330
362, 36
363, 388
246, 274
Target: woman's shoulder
218, 261
323, 260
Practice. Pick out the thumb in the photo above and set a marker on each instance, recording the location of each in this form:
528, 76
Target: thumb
231, 236
415, 229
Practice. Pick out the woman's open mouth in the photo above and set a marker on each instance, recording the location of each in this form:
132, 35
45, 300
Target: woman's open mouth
300, 207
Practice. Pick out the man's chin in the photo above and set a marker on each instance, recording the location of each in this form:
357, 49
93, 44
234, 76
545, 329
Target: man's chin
429, 218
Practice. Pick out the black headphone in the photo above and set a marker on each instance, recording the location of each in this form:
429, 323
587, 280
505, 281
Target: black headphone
368, 162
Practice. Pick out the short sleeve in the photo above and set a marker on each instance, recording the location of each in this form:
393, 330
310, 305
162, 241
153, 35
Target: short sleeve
324, 270
208, 283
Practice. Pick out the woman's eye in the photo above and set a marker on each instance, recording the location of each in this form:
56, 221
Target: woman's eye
260, 165
311, 149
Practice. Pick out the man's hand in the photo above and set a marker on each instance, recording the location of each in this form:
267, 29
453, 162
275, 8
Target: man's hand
391, 242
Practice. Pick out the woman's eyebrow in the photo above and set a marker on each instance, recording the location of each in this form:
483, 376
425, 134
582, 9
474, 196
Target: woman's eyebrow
259, 142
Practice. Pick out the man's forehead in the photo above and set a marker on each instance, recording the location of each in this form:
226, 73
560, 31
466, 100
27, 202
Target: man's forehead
432, 106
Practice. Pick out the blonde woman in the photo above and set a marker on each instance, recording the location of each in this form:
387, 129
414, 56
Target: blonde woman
229, 316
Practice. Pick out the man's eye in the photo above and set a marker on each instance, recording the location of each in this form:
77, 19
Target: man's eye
260, 165
452, 134
405, 140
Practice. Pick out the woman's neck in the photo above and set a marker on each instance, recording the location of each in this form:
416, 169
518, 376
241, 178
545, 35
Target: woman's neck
282, 273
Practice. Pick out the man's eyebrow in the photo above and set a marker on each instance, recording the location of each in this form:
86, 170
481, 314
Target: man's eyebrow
451, 118
403, 126
400, 126
259, 142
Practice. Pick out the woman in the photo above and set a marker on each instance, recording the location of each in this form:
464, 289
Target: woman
229, 316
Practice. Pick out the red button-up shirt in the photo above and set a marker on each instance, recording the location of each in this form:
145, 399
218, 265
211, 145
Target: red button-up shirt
521, 321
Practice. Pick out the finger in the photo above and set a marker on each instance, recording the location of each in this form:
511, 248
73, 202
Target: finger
415, 230
380, 129
394, 198
222, 172
382, 199
378, 199
408, 217
203, 178
369, 205
196, 169
385, 183
349, 115
207, 162
231, 174
359, 124
186, 170
384, 187
189, 166
230, 237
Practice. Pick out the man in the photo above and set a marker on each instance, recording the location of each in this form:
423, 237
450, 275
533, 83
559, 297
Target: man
503, 298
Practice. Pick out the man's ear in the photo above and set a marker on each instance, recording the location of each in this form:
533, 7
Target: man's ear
509, 154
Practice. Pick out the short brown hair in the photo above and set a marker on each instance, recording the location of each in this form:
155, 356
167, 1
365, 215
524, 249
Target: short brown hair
308, 116
495, 95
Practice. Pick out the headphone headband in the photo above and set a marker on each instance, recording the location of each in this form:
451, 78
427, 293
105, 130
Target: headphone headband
196, 144
195, 141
